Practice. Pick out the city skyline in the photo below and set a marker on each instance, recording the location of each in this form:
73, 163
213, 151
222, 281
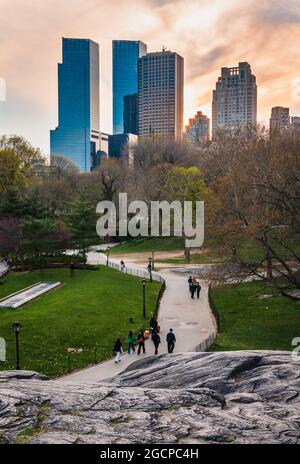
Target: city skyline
29, 69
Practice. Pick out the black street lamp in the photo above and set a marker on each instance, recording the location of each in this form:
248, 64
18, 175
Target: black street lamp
107, 256
17, 329
144, 298
152, 260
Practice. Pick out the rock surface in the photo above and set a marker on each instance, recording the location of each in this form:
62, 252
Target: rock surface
233, 397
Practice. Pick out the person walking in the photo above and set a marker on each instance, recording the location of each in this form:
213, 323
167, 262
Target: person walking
141, 342
154, 324
131, 342
198, 289
72, 269
118, 350
193, 289
156, 341
171, 340
190, 281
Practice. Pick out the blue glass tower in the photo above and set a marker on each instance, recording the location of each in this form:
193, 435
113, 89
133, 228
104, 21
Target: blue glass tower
125, 76
77, 134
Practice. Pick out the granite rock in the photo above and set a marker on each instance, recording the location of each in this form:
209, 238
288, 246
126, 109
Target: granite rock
229, 397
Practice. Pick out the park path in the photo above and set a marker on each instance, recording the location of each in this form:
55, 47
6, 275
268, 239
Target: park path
3, 268
191, 320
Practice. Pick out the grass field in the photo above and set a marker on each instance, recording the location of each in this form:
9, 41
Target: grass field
90, 311
208, 257
141, 245
248, 322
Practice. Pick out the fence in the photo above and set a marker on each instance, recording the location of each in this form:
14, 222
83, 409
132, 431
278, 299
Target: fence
213, 308
135, 271
205, 344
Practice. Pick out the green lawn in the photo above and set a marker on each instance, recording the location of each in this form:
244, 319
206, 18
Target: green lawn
90, 311
247, 322
209, 257
141, 245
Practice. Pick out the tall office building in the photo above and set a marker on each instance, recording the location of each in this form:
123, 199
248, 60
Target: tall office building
197, 130
77, 134
125, 76
121, 146
279, 120
160, 94
130, 115
235, 98
295, 122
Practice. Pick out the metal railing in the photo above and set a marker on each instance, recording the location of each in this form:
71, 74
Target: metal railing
134, 271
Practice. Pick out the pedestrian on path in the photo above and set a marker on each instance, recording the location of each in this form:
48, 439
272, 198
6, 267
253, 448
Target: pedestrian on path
131, 342
72, 269
193, 289
154, 324
190, 281
156, 341
198, 289
118, 350
171, 340
141, 342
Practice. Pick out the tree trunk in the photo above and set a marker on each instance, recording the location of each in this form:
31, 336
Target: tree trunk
268, 259
187, 255
84, 257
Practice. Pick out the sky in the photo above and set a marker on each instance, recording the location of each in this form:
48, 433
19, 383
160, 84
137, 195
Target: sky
209, 34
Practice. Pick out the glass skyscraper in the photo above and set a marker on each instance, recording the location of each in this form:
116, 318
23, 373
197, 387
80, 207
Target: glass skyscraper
125, 76
130, 114
77, 134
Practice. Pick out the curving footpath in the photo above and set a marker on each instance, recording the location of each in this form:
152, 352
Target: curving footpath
4, 268
192, 322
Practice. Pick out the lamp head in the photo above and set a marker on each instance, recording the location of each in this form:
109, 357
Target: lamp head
17, 327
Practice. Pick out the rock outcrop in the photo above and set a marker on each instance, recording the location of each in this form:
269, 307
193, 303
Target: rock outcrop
233, 397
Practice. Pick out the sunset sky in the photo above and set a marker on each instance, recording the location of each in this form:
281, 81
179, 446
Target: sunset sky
209, 34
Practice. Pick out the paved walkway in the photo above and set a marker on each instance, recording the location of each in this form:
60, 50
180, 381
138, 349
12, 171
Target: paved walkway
190, 319
3, 268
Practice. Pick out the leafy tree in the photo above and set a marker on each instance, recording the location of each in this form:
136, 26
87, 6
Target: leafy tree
256, 180
19, 162
82, 223
11, 203
185, 184
38, 237
10, 237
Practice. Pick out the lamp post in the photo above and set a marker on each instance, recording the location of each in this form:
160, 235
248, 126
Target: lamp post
152, 260
17, 328
144, 298
107, 256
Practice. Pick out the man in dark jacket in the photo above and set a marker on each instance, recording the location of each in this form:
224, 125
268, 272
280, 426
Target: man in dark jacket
171, 340
156, 341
